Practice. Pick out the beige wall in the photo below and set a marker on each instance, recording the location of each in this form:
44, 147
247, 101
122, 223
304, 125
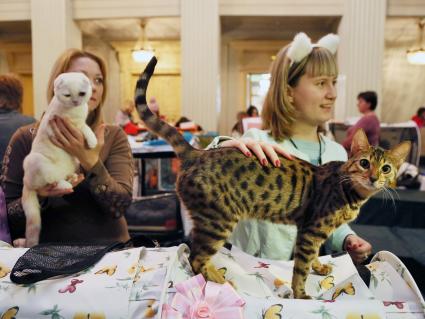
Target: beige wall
239, 58
402, 84
165, 85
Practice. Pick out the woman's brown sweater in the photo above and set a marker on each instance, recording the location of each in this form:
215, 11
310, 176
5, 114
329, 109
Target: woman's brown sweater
93, 212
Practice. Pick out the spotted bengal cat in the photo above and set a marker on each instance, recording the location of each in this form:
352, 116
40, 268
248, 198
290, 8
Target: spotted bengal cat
220, 187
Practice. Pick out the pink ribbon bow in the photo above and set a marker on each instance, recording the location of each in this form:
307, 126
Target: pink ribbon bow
197, 299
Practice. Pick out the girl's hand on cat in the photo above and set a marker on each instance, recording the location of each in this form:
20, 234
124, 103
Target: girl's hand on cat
265, 152
70, 139
358, 248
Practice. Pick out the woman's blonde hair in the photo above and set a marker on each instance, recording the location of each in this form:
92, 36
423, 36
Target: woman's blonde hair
63, 63
278, 113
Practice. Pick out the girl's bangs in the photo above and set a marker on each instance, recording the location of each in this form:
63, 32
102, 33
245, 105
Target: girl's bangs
321, 62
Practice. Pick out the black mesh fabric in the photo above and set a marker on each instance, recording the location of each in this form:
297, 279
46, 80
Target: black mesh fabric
54, 259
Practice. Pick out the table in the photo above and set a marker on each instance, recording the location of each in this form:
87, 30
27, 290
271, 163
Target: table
143, 151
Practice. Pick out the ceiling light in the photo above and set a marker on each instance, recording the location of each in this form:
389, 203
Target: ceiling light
142, 52
417, 54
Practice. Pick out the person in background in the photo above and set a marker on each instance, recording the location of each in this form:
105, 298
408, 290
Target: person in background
11, 93
252, 111
419, 118
128, 118
154, 107
190, 124
300, 99
93, 211
237, 129
369, 122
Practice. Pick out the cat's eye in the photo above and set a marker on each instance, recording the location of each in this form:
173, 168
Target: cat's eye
386, 169
67, 95
364, 163
82, 94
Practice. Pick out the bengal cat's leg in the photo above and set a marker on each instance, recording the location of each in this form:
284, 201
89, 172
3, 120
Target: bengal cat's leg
207, 239
321, 269
306, 251
201, 253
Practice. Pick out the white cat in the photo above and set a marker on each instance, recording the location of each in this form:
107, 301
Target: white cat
47, 163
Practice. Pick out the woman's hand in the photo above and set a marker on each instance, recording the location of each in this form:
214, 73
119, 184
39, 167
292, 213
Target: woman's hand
71, 140
50, 190
358, 248
265, 152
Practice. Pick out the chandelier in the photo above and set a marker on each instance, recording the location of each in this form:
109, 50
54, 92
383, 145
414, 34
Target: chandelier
142, 52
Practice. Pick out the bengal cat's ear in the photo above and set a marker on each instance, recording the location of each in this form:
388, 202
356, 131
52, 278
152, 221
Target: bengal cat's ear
359, 142
400, 152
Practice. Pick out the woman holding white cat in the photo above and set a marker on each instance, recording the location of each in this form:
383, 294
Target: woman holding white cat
93, 210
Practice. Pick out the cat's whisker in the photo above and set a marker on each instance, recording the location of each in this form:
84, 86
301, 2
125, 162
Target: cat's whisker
387, 192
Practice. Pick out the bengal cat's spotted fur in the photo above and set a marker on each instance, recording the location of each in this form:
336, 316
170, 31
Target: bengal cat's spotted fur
220, 187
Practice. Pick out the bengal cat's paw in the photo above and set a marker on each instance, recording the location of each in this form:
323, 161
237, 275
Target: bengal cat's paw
323, 270
211, 273
302, 296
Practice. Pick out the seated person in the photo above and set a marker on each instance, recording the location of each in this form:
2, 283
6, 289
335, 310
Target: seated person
419, 118
187, 125
237, 130
128, 118
252, 111
369, 122
11, 94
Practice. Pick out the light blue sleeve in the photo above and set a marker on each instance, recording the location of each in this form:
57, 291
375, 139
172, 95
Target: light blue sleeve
252, 133
215, 143
336, 240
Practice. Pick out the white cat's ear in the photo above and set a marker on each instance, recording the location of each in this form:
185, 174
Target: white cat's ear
359, 142
58, 81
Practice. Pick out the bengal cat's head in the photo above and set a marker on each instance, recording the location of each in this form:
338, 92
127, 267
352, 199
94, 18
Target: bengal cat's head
373, 168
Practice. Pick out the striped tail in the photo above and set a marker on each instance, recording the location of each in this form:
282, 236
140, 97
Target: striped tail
182, 148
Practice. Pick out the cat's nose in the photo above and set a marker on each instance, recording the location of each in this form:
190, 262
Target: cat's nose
75, 103
373, 179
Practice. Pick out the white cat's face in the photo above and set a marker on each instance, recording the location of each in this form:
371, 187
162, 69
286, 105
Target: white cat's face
72, 89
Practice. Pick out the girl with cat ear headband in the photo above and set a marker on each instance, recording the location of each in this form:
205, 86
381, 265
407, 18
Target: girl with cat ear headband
299, 101
297, 51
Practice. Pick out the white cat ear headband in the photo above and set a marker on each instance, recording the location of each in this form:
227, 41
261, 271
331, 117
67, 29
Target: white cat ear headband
301, 46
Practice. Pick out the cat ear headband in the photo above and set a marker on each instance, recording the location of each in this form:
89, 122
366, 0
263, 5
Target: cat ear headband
301, 46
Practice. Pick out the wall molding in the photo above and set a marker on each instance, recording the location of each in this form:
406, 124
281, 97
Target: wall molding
15, 10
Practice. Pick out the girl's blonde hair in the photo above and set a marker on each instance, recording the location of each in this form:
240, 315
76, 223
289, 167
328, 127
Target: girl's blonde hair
62, 65
279, 114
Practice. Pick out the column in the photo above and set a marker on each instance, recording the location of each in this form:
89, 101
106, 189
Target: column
361, 52
200, 38
53, 30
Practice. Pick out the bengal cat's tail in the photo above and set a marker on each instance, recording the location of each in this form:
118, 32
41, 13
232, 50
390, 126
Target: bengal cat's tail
182, 148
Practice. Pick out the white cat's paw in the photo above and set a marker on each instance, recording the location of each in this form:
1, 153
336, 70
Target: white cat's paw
63, 184
92, 142
72, 178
